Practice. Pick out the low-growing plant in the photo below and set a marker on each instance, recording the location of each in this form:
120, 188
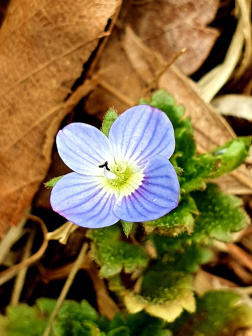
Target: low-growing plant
149, 260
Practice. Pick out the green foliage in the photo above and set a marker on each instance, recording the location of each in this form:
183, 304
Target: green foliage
180, 257
127, 227
159, 294
198, 168
231, 155
143, 324
76, 319
179, 241
25, 320
179, 220
164, 293
50, 184
108, 120
116, 256
219, 313
220, 214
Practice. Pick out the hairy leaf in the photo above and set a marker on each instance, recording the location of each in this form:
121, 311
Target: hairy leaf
117, 256
220, 214
219, 313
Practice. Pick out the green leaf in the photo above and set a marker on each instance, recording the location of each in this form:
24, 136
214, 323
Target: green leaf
219, 313
196, 171
180, 257
50, 184
220, 214
162, 100
127, 227
26, 320
164, 293
112, 254
142, 324
179, 220
231, 155
108, 121
76, 319
120, 331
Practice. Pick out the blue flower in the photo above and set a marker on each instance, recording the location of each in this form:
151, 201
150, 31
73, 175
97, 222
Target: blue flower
126, 176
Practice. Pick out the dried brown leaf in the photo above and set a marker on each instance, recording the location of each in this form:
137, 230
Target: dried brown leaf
170, 26
239, 106
43, 47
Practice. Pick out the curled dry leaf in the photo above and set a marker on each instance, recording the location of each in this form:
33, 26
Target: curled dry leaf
43, 47
123, 81
239, 106
170, 26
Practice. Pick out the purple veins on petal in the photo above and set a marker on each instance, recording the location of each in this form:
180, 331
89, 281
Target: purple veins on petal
83, 201
156, 196
83, 148
140, 133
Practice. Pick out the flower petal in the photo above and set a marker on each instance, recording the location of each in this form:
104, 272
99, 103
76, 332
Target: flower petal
83, 148
156, 196
140, 133
83, 201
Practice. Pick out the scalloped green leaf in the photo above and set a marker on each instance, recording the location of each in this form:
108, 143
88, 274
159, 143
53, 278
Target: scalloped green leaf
117, 256
197, 170
164, 293
162, 100
231, 155
25, 320
179, 220
142, 324
220, 214
182, 257
219, 313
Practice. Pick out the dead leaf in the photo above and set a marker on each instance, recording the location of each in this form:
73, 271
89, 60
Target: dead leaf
170, 26
239, 106
43, 47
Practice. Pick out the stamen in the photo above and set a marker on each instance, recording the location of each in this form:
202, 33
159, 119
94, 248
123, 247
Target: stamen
104, 165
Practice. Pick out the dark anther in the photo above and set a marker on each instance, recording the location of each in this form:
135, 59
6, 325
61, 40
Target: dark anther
105, 165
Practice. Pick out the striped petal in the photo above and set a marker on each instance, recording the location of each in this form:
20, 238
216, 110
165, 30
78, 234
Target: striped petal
141, 133
83, 148
156, 196
83, 201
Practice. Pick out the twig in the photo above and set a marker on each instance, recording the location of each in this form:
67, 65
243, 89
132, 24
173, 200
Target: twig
115, 92
66, 288
240, 255
12, 271
154, 81
105, 304
12, 236
19, 282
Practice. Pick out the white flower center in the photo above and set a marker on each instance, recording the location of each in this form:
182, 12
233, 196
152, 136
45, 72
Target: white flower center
121, 179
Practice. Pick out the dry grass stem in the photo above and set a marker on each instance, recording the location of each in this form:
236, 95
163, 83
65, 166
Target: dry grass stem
154, 81
12, 236
20, 279
66, 288
12, 271
243, 257
115, 92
